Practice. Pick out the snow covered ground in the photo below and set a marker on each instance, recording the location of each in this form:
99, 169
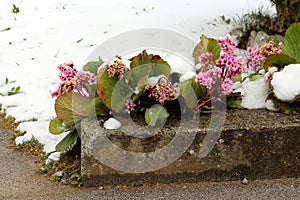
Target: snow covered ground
46, 33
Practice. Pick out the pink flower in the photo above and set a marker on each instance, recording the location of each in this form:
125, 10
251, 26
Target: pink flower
149, 87
227, 44
232, 64
130, 105
84, 78
227, 86
208, 78
254, 58
67, 71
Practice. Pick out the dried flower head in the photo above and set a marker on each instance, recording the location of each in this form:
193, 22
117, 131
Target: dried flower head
118, 68
269, 49
64, 87
163, 91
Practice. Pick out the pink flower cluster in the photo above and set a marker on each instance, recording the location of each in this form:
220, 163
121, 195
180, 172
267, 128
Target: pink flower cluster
130, 105
71, 80
208, 78
163, 91
254, 58
227, 86
67, 71
227, 44
218, 73
83, 79
233, 65
206, 59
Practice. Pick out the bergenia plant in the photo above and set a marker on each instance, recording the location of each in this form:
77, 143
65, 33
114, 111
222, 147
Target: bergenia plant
283, 71
75, 100
218, 67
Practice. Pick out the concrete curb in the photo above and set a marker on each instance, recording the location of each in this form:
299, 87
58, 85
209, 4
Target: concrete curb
255, 144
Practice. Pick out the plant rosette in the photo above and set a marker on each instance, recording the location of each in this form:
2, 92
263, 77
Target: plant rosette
273, 82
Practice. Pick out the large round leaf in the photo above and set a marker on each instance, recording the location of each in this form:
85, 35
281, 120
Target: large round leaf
291, 44
71, 107
191, 92
105, 86
205, 45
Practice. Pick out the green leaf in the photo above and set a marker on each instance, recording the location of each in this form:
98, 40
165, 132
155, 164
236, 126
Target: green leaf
291, 43
254, 77
71, 107
234, 101
79, 40
157, 114
5, 29
209, 45
278, 60
57, 127
141, 59
105, 86
120, 94
153, 63
93, 66
14, 90
96, 107
287, 108
67, 141
191, 92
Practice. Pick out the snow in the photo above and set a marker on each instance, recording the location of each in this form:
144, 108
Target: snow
112, 124
270, 105
255, 93
45, 34
286, 83
187, 76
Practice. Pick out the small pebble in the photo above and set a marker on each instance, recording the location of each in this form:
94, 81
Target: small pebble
101, 188
245, 181
192, 152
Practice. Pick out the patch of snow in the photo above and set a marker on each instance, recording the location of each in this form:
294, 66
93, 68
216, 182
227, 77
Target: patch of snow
255, 93
153, 80
53, 157
112, 123
286, 83
187, 76
270, 105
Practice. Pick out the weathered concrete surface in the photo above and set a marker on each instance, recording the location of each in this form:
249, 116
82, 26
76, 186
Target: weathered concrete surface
256, 144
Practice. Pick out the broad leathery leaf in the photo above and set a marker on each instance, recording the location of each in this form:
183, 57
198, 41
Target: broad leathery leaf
254, 77
67, 141
93, 66
278, 60
206, 45
286, 107
105, 86
141, 59
70, 107
120, 94
154, 63
157, 114
291, 43
56, 126
96, 108
234, 100
191, 92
